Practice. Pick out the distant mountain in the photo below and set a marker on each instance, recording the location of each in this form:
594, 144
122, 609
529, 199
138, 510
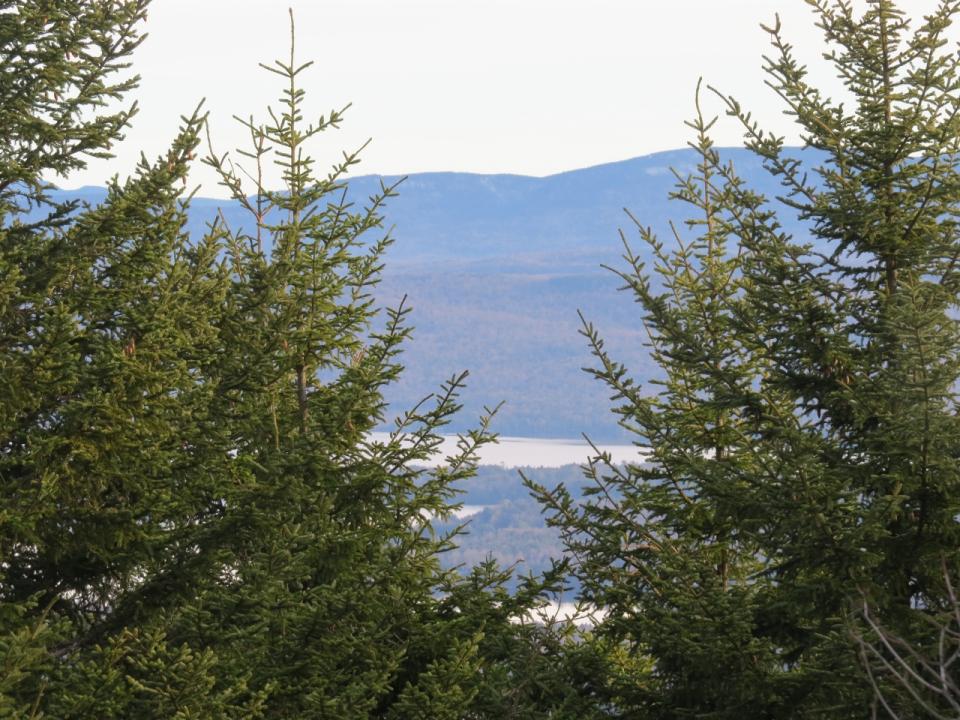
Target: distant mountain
496, 267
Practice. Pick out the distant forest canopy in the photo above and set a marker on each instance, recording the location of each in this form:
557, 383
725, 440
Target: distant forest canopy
496, 267
505, 522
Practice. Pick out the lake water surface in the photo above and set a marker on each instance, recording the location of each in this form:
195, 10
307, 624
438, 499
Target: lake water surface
538, 452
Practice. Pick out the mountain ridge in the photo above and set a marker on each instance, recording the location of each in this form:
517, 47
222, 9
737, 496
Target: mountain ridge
497, 266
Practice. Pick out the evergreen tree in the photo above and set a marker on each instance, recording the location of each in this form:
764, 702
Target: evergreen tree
803, 436
660, 546
194, 521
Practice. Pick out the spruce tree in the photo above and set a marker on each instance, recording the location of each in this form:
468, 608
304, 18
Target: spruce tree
194, 519
803, 436
660, 546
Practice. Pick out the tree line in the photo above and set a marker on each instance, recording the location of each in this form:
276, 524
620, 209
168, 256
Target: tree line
195, 521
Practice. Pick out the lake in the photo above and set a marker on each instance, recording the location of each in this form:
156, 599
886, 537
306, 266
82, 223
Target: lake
537, 452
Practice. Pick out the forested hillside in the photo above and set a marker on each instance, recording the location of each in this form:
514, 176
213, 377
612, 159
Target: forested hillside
504, 522
496, 267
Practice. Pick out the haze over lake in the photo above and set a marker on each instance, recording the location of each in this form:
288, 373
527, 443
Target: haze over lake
536, 452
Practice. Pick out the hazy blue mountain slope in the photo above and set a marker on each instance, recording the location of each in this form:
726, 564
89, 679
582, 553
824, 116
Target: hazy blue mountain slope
496, 267
573, 214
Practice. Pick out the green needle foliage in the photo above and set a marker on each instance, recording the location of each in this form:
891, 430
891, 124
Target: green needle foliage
803, 436
194, 521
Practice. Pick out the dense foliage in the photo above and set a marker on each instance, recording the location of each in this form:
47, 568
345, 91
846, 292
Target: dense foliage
194, 521
804, 434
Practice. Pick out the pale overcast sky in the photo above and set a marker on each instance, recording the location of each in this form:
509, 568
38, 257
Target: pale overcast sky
522, 86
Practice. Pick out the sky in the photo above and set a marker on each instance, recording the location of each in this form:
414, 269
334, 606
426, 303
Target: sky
531, 87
